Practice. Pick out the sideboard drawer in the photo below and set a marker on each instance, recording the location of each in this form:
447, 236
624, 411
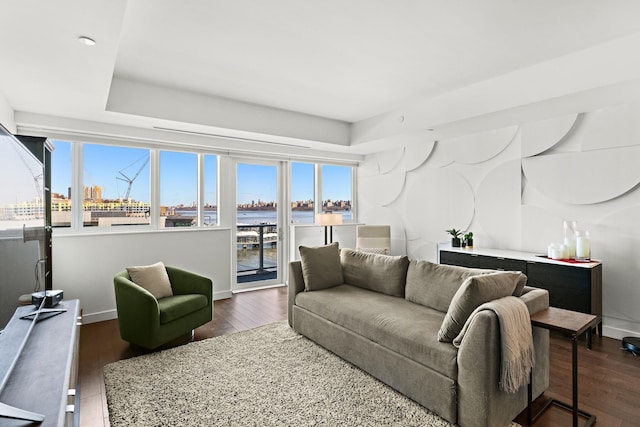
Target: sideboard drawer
482, 261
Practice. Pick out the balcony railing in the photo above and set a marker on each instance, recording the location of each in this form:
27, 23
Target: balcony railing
257, 249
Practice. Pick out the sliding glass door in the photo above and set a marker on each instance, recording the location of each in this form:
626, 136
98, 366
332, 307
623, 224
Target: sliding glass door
258, 231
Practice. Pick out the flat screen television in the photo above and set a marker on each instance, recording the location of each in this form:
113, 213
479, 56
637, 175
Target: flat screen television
25, 243
25, 235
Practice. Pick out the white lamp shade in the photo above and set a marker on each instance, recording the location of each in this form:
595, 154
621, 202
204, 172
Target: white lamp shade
327, 219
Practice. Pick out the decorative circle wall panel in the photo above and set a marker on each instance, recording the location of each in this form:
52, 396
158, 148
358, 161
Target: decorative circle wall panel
612, 127
540, 227
584, 178
539, 136
479, 147
439, 157
498, 201
369, 167
382, 190
388, 160
416, 154
438, 200
420, 249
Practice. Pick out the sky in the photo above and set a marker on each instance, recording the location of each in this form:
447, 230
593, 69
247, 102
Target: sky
110, 166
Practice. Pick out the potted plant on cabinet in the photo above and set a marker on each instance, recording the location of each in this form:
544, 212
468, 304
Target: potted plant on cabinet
455, 237
468, 240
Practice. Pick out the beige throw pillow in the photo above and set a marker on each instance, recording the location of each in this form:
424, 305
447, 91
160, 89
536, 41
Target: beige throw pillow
475, 291
321, 268
434, 285
380, 273
153, 278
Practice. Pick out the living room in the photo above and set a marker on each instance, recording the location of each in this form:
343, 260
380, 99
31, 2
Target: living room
505, 120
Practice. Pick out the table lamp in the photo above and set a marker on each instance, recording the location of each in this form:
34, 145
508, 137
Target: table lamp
328, 220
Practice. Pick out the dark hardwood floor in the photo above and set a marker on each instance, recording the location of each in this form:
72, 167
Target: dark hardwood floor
608, 377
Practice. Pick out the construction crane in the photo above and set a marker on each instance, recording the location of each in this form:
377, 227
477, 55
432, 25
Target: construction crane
128, 180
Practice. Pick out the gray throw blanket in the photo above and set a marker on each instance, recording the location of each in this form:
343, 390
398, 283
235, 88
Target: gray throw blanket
516, 340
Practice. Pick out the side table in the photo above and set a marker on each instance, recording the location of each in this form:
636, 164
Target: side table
572, 324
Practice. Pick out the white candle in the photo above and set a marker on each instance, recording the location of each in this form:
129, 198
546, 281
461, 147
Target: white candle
583, 249
570, 243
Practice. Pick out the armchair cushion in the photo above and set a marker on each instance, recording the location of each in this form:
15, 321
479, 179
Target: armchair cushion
153, 278
177, 306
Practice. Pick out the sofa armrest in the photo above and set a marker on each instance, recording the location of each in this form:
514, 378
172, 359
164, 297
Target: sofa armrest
186, 282
137, 309
536, 299
296, 285
479, 366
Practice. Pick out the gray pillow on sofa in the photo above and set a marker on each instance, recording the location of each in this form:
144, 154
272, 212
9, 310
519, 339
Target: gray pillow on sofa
321, 268
434, 285
380, 273
475, 291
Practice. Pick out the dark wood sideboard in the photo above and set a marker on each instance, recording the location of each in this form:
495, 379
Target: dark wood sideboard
572, 286
44, 378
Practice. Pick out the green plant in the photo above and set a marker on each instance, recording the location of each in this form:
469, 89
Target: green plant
468, 236
454, 233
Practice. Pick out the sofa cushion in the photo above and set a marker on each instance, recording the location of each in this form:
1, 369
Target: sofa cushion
153, 278
475, 291
380, 273
321, 266
395, 323
177, 306
434, 285
522, 282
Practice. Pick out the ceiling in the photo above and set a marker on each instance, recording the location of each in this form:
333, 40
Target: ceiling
300, 72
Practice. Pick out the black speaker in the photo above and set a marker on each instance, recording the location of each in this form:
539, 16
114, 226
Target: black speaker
632, 344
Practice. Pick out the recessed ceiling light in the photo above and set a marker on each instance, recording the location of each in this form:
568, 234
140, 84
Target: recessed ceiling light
87, 40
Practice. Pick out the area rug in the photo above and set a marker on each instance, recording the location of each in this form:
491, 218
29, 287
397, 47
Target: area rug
268, 376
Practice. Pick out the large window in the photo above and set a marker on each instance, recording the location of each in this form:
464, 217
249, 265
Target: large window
178, 189
302, 192
61, 184
115, 186
336, 190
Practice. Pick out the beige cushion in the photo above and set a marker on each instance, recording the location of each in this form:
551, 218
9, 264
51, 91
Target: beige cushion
434, 285
475, 291
380, 273
153, 278
522, 282
321, 267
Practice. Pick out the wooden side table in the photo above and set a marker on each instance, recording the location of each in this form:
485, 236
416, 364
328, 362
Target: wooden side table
572, 324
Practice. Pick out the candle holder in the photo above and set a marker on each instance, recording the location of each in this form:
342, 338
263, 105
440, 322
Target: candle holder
583, 246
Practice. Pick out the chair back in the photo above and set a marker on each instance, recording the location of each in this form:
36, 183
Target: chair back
374, 239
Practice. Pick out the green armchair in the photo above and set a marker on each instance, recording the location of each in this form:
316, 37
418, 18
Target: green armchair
149, 322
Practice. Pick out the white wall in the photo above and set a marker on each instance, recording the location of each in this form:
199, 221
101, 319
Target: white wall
84, 265
514, 186
7, 118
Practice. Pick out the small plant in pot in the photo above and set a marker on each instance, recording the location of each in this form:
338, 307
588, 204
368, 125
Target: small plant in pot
468, 240
455, 237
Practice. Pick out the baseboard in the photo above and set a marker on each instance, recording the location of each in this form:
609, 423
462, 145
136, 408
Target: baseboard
100, 316
618, 333
221, 295
257, 288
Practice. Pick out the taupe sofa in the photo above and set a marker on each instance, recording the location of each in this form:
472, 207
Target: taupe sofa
383, 315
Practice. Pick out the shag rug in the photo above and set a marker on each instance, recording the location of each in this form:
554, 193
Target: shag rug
268, 376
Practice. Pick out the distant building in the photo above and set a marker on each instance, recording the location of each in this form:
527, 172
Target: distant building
93, 193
